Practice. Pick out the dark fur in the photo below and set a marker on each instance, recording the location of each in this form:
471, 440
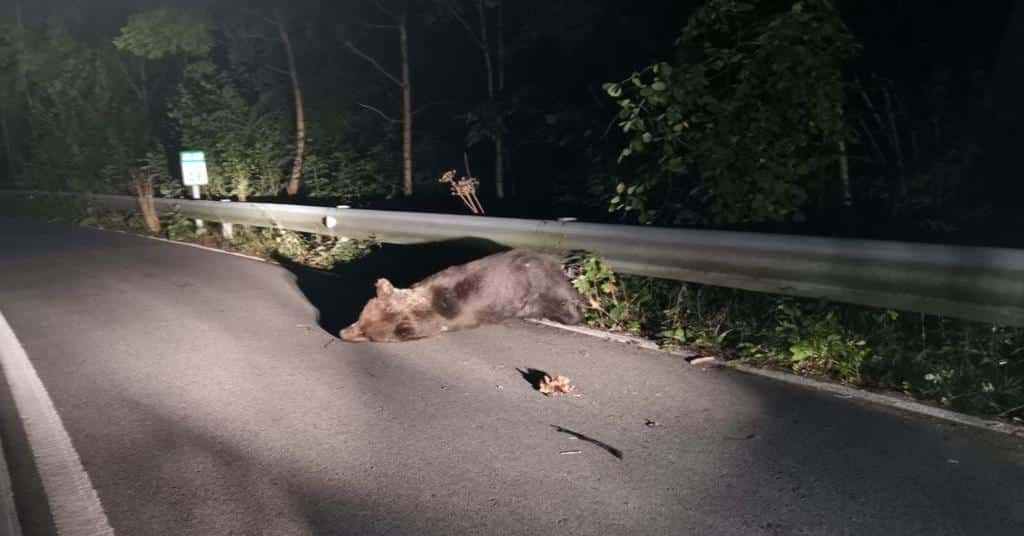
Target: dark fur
511, 284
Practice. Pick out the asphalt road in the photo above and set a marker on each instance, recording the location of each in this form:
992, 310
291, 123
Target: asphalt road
204, 397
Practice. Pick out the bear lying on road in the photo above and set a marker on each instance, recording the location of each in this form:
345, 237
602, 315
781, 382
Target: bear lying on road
511, 284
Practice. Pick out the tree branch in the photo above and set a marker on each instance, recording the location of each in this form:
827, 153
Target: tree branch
379, 26
373, 62
380, 113
465, 24
277, 70
380, 6
251, 36
428, 105
256, 14
128, 77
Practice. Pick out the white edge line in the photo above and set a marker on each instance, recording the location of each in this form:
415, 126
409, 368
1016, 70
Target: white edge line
883, 400
189, 244
846, 391
74, 503
208, 248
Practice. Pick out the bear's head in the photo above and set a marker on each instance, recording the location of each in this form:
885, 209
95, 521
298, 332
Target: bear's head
396, 314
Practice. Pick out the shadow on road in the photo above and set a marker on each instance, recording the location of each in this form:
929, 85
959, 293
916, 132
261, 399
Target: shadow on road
339, 296
533, 376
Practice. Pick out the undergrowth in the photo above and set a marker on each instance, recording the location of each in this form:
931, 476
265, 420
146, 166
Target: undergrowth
966, 366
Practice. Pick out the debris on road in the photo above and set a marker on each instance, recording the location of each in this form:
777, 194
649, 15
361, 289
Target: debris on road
702, 360
611, 450
558, 385
571, 452
651, 423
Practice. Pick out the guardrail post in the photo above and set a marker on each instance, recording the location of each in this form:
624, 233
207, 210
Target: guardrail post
227, 229
195, 195
329, 222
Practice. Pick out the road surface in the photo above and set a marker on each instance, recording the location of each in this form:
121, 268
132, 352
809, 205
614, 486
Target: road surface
204, 394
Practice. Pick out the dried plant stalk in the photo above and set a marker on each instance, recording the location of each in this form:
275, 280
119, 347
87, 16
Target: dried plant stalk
465, 189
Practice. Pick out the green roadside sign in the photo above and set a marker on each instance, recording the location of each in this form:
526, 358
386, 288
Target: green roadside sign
193, 168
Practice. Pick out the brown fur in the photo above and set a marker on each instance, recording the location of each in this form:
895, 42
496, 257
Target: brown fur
511, 284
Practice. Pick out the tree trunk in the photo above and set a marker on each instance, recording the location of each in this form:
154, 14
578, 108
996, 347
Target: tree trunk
508, 187
27, 153
300, 120
405, 84
499, 165
22, 69
406, 110
144, 94
485, 48
1007, 80
501, 46
844, 164
844, 175
144, 191
8, 149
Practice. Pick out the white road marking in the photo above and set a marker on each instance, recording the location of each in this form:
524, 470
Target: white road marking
909, 406
74, 504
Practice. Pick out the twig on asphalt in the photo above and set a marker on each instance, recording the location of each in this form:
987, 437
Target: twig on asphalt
612, 450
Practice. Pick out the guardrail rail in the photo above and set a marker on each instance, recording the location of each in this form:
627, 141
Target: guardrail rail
973, 283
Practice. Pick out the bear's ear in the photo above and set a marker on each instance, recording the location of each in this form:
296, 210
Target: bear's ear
384, 288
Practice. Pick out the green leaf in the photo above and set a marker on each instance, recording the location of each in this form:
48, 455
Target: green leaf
616, 312
163, 32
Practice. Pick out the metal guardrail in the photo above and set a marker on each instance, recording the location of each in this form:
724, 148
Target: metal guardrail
973, 283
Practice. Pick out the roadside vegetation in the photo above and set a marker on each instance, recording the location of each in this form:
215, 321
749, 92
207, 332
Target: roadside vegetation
966, 366
746, 115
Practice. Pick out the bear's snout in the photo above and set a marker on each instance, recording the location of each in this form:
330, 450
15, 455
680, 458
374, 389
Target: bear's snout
353, 333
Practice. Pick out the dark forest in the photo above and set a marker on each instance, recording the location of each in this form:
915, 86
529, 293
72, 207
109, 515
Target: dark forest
896, 120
